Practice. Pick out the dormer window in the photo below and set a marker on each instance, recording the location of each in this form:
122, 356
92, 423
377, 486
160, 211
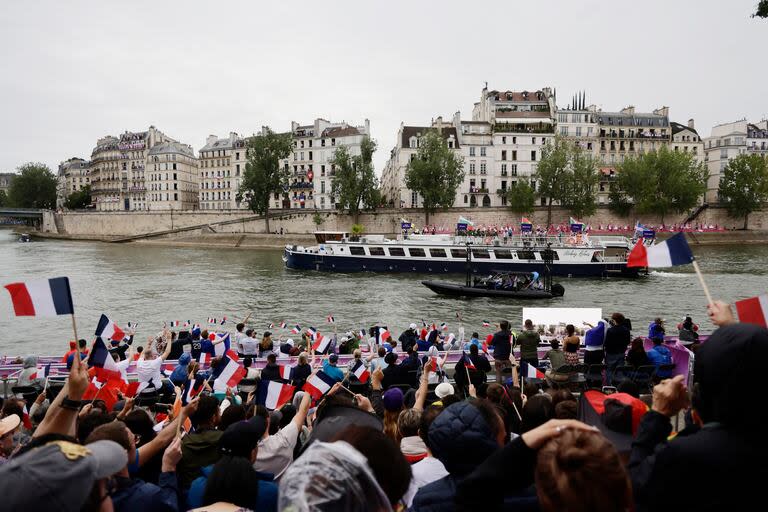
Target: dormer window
412, 142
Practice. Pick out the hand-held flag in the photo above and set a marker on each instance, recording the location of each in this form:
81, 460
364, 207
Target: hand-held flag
529, 371
227, 374
753, 310
108, 329
273, 395
44, 297
318, 384
360, 371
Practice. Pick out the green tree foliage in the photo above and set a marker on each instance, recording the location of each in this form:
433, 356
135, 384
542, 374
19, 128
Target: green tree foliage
521, 197
33, 187
263, 175
581, 183
660, 182
762, 10
435, 173
552, 172
744, 185
79, 199
3, 198
354, 185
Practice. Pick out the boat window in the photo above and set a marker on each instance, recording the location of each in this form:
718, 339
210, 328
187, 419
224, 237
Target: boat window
416, 252
376, 251
459, 253
503, 254
526, 255
437, 253
480, 254
357, 251
396, 251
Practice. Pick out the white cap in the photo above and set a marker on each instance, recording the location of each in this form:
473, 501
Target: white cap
412, 326
289, 341
443, 390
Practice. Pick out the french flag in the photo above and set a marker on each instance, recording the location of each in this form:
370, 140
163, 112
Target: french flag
312, 332
173, 323
283, 325
223, 320
321, 343
132, 389
361, 372
273, 395
44, 297
100, 359
211, 320
285, 371
108, 329
432, 364
192, 389
330, 319
468, 364
530, 371
486, 323
669, 253
221, 348
753, 310
444, 326
42, 372
204, 359
271, 326
25, 419
296, 329
318, 384
227, 374
384, 334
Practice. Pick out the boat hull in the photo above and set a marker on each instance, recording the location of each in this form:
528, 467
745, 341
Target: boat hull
457, 290
337, 263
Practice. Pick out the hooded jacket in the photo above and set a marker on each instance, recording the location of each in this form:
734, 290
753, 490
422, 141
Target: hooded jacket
461, 439
199, 449
179, 374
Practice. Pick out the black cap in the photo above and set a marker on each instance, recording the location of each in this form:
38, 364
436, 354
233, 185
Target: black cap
336, 418
242, 437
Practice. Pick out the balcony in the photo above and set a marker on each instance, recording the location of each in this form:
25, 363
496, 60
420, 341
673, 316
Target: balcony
522, 128
477, 190
302, 185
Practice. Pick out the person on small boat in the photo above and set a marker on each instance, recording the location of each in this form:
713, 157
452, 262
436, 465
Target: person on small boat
687, 332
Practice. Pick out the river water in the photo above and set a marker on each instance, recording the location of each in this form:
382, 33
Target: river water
151, 284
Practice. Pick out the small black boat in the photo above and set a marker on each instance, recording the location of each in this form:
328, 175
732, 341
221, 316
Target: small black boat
24, 237
459, 290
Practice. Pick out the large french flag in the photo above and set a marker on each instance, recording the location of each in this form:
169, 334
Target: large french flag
753, 310
192, 389
318, 384
361, 372
321, 343
531, 372
669, 253
44, 297
273, 395
100, 359
108, 329
220, 348
227, 374
285, 371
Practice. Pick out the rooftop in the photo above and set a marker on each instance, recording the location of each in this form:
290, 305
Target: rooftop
534, 96
172, 147
411, 131
623, 119
677, 128
340, 131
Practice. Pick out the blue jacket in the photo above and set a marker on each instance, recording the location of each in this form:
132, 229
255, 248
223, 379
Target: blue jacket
135, 494
266, 499
659, 355
423, 345
333, 371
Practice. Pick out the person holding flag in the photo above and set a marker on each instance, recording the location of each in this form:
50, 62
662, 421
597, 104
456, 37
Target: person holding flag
149, 367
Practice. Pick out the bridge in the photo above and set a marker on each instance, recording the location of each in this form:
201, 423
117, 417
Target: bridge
22, 213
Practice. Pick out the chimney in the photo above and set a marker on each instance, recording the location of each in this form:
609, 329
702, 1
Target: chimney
629, 110
691, 125
439, 123
663, 111
211, 139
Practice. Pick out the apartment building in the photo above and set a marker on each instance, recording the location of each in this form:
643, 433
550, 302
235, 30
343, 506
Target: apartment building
222, 165
73, 176
172, 177
727, 141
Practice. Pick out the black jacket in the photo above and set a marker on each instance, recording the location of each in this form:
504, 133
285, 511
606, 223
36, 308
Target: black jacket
617, 339
502, 345
407, 339
478, 375
708, 468
271, 372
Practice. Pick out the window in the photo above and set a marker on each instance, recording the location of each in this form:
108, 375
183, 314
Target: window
564, 131
503, 140
466, 199
482, 151
503, 254
480, 254
174, 174
396, 251
459, 253
376, 251
578, 131
533, 156
357, 251
526, 255
471, 151
503, 154
482, 168
310, 155
416, 252
472, 168
437, 253
175, 196
237, 156
333, 142
514, 155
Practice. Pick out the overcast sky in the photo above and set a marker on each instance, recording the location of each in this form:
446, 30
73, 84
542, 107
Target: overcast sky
74, 71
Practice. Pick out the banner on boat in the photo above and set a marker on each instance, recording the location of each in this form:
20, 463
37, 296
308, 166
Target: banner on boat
551, 322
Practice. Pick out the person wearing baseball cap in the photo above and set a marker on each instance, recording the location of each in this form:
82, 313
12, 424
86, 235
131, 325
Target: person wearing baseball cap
61, 475
409, 337
710, 465
8, 426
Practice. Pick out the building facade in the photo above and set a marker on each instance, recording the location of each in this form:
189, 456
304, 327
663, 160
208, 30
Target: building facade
172, 177
117, 169
728, 141
310, 164
5, 181
73, 176
222, 164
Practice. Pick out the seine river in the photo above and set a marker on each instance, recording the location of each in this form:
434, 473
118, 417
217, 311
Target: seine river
150, 285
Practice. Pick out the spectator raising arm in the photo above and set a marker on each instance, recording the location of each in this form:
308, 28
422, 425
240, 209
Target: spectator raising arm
61, 417
421, 393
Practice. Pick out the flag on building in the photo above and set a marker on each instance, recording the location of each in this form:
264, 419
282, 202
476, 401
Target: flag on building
318, 384
321, 343
296, 329
107, 329
360, 371
531, 372
330, 319
669, 253
486, 323
44, 297
273, 395
468, 364
192, 388
753, 310
100, 359
283, 325
227, 374
286, 372
172, 323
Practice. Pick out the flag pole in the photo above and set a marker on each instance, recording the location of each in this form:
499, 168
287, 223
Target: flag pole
74, 329
701, 280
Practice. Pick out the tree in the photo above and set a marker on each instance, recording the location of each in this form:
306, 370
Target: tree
521, 197
552, 172
762, 10
354, 184
435, 173
79, 199
659, 182
33, 187
263, 175
3, 198
744, 185
581, 183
